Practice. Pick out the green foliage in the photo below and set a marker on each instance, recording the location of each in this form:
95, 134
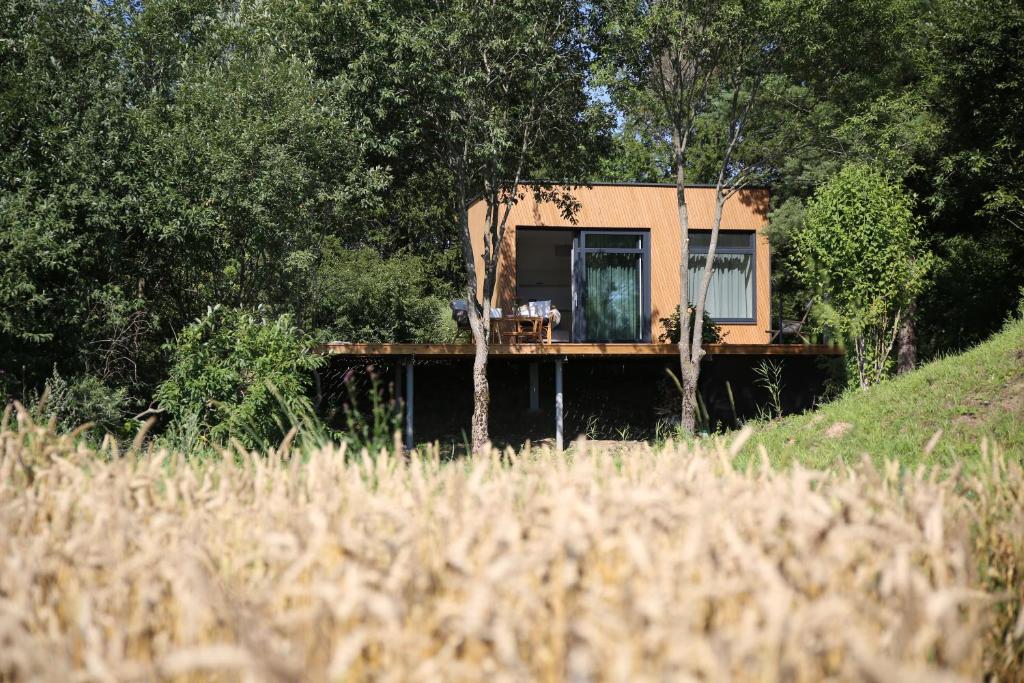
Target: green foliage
161, 157
768, 376
711, 332
366, 298
636, 156
372, 425
860, 250
83, 399
970, 287
239, 375
145, 176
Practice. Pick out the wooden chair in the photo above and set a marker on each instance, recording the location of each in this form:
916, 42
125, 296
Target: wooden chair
792, 328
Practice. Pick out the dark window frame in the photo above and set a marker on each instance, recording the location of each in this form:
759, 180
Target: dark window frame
579, 331
750, 249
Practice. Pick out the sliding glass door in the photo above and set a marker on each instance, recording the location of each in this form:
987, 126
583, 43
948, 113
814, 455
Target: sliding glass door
612, 278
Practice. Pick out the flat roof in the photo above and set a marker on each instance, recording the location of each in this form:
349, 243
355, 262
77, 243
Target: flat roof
635, 183
592, 350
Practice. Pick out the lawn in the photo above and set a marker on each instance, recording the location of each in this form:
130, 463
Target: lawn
972, 396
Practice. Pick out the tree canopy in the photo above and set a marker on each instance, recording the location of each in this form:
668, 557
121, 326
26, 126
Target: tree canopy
305, 158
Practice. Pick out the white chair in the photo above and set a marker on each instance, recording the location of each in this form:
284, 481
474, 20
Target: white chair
539, 309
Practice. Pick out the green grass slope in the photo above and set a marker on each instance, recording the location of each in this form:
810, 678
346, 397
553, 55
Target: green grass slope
979, 393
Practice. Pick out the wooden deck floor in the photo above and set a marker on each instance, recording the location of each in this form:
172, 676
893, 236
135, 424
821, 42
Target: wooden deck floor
566, 349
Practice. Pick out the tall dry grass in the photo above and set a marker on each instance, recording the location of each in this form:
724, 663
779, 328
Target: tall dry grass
649, 566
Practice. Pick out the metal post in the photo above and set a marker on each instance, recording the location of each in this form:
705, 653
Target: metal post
534, 388
408, 404
558, 404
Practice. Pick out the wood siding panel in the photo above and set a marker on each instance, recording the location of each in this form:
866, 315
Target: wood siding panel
651, 207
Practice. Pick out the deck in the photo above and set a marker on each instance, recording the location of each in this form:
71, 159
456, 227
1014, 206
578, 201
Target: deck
568, 349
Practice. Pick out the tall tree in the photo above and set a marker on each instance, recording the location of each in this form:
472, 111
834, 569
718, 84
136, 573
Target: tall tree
503, 90
703, 71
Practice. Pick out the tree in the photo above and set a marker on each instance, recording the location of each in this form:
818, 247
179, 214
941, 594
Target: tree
502, 89
861, 251
702, 71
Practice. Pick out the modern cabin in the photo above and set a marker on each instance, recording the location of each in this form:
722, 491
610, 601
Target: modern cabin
613, 270
612, 273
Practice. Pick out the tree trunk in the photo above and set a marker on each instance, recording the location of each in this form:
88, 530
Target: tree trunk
481, 389
906, 354
688, 371
480, 324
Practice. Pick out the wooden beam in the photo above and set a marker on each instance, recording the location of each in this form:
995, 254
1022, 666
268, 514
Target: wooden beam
573, 349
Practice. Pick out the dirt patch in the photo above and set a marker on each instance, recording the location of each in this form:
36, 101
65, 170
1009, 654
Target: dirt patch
838, 429
1009, 399
1013, 402
969, 419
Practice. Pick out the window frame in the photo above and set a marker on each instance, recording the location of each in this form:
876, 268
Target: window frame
750, 249
579, 332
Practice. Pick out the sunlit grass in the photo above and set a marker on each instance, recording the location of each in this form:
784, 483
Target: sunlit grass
936, 415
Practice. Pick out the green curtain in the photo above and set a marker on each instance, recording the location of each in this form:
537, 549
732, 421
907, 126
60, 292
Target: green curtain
613, 297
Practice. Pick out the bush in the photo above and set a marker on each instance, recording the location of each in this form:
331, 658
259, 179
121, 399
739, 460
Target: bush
710, 334
238, 374
860, 251
367, 298
81, 399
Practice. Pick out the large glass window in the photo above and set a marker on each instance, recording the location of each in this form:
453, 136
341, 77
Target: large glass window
731, 294
613, 296
615, 287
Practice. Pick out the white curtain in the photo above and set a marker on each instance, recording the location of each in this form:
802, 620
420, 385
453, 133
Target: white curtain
731, 294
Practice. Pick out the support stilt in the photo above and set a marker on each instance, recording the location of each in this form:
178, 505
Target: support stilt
534, 388
558, 405
408, 405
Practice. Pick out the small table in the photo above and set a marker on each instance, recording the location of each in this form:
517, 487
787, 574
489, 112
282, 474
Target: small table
516, 329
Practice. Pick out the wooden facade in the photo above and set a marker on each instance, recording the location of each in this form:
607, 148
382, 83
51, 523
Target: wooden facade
650, 208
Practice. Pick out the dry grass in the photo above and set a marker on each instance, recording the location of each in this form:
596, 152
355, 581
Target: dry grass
652, 566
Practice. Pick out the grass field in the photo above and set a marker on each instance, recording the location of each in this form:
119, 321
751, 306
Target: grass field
975, 395
638, 566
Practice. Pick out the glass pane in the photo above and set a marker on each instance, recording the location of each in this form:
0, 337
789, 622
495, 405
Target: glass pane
726, 240
607, 241
731, 294
613, 297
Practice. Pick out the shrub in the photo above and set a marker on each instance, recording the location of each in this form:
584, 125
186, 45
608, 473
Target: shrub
239, 374
81, 399
366, 298
711, 334
860, 251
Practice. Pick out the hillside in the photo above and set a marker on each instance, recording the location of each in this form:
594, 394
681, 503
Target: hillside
976, 394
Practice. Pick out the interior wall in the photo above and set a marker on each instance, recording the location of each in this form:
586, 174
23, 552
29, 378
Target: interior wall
544, 271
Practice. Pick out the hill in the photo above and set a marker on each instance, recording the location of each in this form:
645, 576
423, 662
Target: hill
976, 394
